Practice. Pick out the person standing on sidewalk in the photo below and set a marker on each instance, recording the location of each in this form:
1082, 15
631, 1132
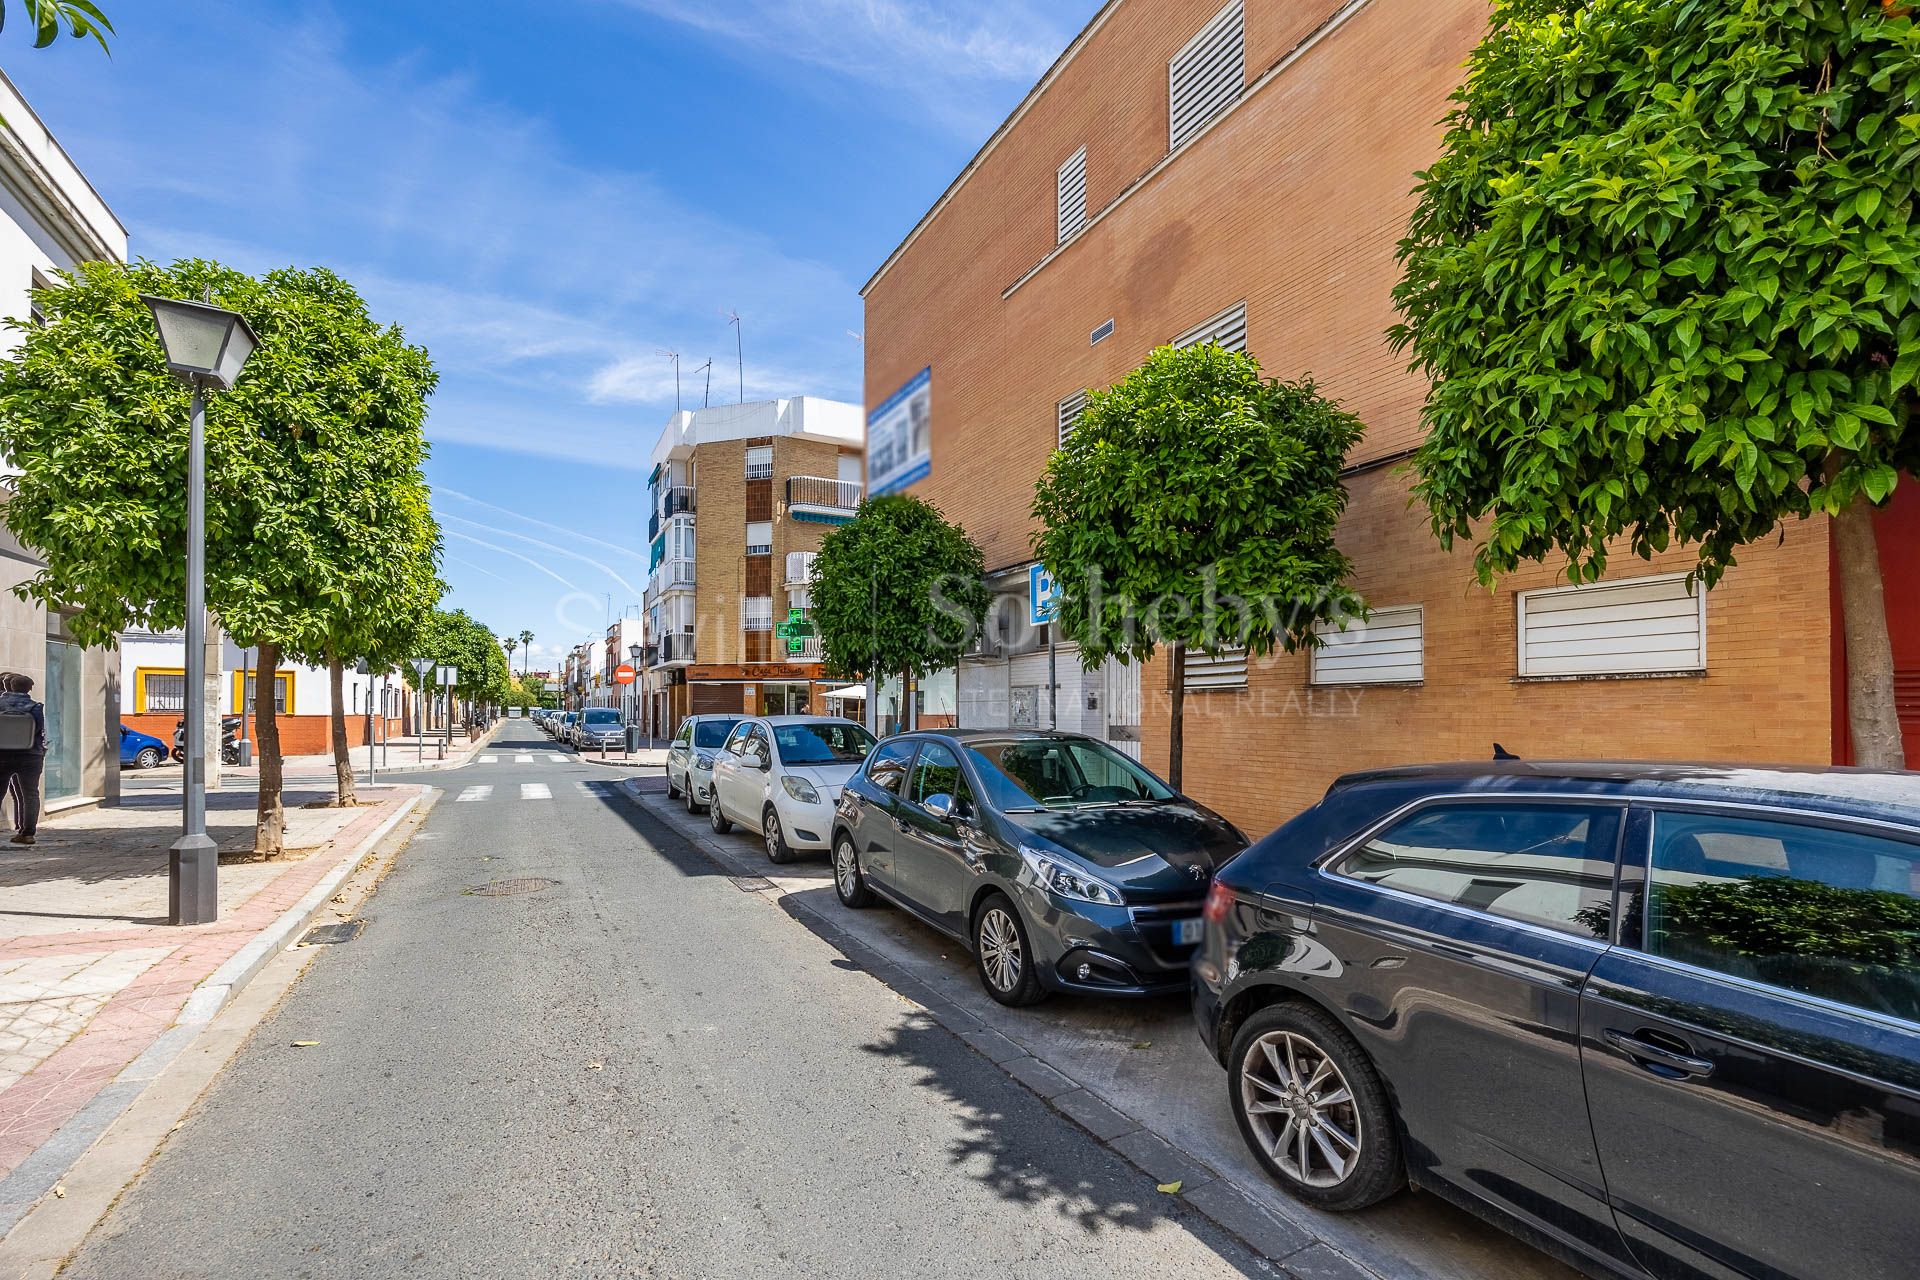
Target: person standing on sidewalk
23, 751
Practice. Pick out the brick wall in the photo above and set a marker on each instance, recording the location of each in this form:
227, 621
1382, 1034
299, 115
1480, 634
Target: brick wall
299, 735
1292, 203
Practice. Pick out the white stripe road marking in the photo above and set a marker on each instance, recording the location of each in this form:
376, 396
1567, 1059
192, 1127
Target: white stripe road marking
489, 759
535, 791
557, 758
523, 759
472, 794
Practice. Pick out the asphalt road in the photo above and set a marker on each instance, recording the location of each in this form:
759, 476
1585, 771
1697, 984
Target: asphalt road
638, 1070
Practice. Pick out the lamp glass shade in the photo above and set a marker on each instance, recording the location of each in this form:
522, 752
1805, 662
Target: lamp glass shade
202, 341
634, 651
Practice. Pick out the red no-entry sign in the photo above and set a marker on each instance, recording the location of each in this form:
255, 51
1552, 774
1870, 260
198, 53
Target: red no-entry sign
623, 674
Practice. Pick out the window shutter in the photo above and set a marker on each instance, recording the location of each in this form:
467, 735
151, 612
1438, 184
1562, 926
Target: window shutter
1228, 329
1207, 75
1635, 627
1070, 410
1226, 671
1389, 647
1072, 188
760, 462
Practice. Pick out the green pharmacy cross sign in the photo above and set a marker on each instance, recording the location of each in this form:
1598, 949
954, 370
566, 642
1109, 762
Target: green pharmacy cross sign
795, 629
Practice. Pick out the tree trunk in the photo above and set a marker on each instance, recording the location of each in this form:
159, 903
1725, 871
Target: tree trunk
1176, 712
1872, 717
270, 818
342, 754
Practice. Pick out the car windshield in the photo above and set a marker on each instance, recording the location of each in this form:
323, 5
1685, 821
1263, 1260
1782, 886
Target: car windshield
844, 743
711, 734
1061, 773
603, 715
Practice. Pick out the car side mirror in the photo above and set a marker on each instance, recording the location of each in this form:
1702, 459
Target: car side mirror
941, 807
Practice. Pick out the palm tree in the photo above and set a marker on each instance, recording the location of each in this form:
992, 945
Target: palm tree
526, 638
510, 644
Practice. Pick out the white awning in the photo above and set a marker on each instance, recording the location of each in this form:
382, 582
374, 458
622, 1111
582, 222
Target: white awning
849, 691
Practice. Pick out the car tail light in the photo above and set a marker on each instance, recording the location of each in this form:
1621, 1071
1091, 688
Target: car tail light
1219, 903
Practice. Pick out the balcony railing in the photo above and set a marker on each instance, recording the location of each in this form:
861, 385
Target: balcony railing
677, 647
675, 499
812, 649
799, 568
825, 493
672, 575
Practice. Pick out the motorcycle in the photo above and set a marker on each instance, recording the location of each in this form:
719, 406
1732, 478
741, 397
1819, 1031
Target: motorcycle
229, 740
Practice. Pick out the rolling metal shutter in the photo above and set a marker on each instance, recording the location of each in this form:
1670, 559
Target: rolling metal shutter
1207, 75
1634, 627
1388, 648
1228, 329
1072, 180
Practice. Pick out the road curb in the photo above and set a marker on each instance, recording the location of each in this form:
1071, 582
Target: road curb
33, 1178
1204, 1190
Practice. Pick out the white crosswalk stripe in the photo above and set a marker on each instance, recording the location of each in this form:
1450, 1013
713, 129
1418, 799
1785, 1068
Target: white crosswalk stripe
557, 758
535, 791
523, 759
489, 759
473, 793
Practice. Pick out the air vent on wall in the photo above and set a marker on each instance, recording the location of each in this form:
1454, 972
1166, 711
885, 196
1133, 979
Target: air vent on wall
1207, 75
1101, 333
1072, 180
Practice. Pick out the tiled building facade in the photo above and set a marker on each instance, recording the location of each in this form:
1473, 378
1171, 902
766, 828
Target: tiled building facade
1188, 170
740, 498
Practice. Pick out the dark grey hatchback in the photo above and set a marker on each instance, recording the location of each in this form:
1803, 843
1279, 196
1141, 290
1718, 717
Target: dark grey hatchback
1063, 864
1659, 1019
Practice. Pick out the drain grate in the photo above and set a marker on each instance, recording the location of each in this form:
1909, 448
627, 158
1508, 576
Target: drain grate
327, 934
751, 884
509, 888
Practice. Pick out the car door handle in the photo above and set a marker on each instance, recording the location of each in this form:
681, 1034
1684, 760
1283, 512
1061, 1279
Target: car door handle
901, 827
1657, 1057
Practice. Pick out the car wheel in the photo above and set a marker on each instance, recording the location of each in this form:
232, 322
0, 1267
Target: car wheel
716, 819
1003, 955
693, 805
672, 791
1313, 1109
778, 850
848, 880
148, 758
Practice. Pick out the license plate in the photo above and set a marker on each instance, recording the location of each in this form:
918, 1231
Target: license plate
1188, 932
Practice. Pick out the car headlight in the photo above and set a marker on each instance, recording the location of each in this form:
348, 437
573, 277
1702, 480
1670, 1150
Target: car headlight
1069, 882
703, 762
800, 789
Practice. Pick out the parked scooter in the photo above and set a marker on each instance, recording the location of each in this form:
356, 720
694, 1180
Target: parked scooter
229, 740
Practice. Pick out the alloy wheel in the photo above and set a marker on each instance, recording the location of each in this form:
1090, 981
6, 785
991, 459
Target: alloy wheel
1000, 948
844, 870
1301, 1109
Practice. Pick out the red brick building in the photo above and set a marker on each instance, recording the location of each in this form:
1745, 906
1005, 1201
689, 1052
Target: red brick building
1187, 171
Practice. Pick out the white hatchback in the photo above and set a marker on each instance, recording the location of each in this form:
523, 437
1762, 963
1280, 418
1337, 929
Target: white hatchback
781, 776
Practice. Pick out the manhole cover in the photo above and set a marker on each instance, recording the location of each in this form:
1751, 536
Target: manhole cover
509, 888
751, 884
327, 934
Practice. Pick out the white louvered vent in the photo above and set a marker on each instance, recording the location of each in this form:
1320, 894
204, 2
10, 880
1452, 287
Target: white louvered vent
1070, 410
1226, 671
1073, 195
1388, 648
1229, 329
1635, 627
1207, 75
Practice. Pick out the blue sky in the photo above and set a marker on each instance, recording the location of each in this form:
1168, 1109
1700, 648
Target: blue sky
546, 196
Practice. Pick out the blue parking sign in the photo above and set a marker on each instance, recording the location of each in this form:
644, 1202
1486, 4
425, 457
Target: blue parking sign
1040, 595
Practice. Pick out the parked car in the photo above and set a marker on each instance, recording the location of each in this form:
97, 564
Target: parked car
781, 776
563, 726
141, 750
1662, 1019
690, 758
1061, 863
599, 728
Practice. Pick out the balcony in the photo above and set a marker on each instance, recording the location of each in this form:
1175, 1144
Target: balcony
823, 500
672, 575
675, 499
677, 647
799, 568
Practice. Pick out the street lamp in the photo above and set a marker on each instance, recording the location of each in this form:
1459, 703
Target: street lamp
633, 690
206, 348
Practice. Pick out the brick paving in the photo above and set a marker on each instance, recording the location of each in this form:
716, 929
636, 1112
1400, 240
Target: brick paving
91, 975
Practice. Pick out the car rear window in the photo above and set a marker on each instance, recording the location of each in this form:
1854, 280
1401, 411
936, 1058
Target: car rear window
603, 715
711, 733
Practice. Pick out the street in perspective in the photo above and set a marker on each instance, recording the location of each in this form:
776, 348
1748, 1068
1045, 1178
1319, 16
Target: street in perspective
1091, 639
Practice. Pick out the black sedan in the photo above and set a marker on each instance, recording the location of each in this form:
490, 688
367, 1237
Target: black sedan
1064, 865
1660, 1019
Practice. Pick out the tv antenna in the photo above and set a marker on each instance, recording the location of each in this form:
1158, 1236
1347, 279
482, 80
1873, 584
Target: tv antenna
675, 357
739, 352
706, 397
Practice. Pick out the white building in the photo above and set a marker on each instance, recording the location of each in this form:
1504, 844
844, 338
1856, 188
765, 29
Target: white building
51, 219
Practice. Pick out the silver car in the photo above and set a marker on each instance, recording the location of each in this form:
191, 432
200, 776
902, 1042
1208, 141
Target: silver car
690, 758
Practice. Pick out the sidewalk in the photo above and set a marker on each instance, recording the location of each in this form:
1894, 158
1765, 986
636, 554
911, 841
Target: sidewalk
407, 754
98, 993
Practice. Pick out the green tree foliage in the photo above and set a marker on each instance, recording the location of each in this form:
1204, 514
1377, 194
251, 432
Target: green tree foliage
319, 538
1194, 506
79, 18
899, 589
468, 645
1663, 277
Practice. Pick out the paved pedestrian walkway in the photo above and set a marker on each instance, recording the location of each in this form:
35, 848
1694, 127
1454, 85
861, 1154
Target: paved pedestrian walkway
91, 973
